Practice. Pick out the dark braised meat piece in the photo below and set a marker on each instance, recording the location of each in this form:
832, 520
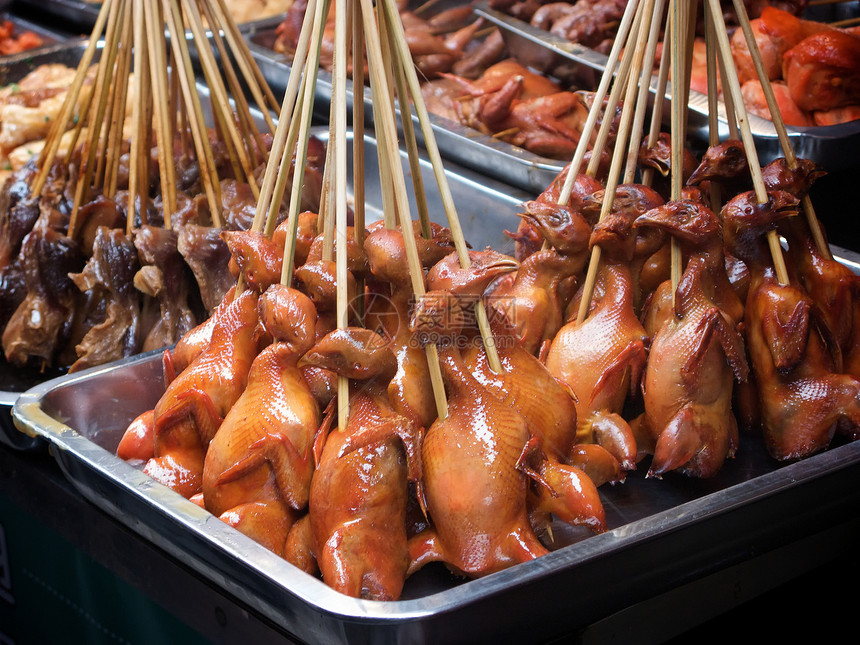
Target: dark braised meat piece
41, 323
108, 281
208, 256
165, 277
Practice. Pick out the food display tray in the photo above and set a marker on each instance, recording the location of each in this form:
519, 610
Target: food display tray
463, 145
49, 36
832, 146
663, 533
75, 13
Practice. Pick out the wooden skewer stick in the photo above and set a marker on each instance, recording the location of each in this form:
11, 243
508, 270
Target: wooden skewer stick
713, 104
614, 98
680, 35
97, 107
137, 178
55, 134
376, 66
108, 162
337, 130
268, 203
302, 125
659, 99
597, 104
220, 100
257, 85
157, 50
358, 123
403, 99
779, 125
179, 45
746, 133
442, 182
644, 87
637, 42
251, 136
848, 22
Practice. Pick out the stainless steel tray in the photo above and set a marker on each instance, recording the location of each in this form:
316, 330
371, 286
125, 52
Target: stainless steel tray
663, 533
456, 142
83, 15
76, 13
834, 147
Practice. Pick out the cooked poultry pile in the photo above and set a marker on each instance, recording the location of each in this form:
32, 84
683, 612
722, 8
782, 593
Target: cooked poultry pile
473, 80
110, 237
102, 294
244, 428
814, 69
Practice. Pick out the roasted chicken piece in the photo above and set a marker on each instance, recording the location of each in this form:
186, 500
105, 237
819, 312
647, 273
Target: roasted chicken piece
688, 422
533, 301
475, 485
803, 399
191, 410
602, 357
258, 467
355, 529
512, 103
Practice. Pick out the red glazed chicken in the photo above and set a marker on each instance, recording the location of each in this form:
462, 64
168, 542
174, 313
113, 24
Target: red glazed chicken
258, 468
688, 424
804, 400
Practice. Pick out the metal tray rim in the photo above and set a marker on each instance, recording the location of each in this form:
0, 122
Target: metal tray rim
31, 418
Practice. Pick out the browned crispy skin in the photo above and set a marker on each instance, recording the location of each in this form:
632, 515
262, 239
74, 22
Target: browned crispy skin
600, 359
478, 467
189, 413
804, 399
694, 357
258, 467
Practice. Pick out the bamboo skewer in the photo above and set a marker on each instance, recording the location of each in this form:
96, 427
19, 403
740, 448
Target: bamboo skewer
633, 56
442, 183
282, 140
779, 125
52, 143
302, 129
337, 131
376, 69
746, 133
680, 25
597, 104
644, 86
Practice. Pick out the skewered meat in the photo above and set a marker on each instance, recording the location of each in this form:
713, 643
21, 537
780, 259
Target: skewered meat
41, 323
208, 257
113, 311
258, 467
533, 301
687, 389
355, 530
164, 277
473, 483
803, 399
602, 357
194, 404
